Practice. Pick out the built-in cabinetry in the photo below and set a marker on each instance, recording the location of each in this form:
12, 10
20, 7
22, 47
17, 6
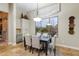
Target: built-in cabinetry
25, 26
18, 30
18, 38
18, 23
22, 28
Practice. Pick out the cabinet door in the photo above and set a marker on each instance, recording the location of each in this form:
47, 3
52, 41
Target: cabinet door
25, 27
18, 23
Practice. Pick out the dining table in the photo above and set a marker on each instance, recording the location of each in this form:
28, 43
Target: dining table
46, 40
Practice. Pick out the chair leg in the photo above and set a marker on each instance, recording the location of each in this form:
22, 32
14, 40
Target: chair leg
38, 52
25, 47
24, 42
32, 50
50, 50
54, 51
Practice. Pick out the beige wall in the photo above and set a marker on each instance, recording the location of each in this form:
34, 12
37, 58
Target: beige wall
4, 7
65, 38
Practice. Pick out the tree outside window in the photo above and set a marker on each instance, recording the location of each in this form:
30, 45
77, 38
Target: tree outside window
44, 28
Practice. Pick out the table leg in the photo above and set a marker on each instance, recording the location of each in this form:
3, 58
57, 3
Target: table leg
24, 43
46, 48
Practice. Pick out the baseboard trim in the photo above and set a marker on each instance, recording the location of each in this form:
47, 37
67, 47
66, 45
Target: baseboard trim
14, 44
11, 43
61, 45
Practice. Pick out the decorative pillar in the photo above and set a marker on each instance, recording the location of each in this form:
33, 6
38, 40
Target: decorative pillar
12, 24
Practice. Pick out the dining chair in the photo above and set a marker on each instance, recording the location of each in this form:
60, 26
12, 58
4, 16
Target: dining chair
38, 34
52, 46
45, 34
36, 43
28, 41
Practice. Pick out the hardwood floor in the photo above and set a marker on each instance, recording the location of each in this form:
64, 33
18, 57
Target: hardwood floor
19, 50
68, 51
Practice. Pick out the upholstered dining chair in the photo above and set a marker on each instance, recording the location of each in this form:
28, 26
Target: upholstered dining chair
36, 43
38, 34
45, 34
28, 41
52, 46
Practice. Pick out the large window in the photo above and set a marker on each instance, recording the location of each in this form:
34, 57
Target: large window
43, 27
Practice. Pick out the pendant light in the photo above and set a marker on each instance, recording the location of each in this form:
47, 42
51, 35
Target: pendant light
37, 19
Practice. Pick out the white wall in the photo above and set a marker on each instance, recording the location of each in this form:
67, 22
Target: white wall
4, 7
65, 38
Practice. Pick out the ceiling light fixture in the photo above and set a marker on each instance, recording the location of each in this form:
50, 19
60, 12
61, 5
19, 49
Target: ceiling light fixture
37, 19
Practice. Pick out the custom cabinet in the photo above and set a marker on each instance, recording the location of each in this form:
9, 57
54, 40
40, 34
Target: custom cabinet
18, 23
22, 28
25, 26
18, 31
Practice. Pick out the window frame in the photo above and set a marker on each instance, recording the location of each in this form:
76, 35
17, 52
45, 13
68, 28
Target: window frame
48, 19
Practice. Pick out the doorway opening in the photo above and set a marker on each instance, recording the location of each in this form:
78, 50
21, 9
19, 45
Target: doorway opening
3, 28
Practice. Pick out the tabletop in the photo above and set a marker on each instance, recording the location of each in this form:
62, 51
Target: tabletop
43, 38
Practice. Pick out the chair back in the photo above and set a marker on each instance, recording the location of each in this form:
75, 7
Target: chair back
28, 40
54, 40
45, 34
38, 34
36, 42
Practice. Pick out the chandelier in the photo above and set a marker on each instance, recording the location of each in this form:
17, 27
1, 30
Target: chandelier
37, 19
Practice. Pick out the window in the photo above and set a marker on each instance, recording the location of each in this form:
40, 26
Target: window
43, 27
44, 23
54, 21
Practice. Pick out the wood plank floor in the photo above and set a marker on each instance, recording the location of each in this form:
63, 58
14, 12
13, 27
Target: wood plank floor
18, 50
68, 51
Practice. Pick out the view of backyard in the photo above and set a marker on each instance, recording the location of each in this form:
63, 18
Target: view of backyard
43, 26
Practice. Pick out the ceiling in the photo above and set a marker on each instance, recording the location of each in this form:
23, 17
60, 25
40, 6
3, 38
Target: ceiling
45, 9
33, 6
